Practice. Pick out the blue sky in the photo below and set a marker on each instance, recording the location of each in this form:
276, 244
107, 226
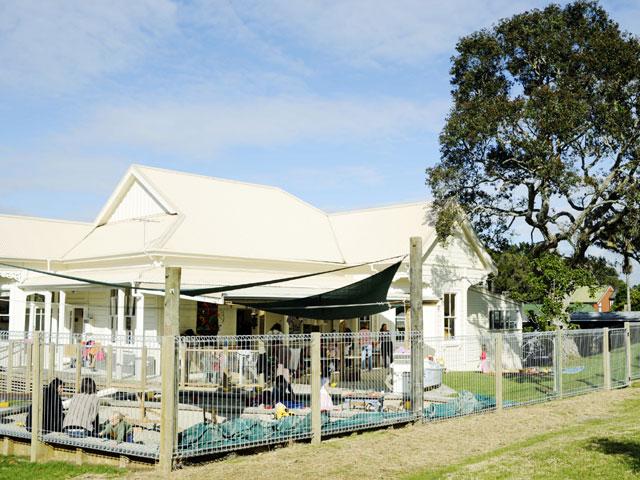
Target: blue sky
338, 102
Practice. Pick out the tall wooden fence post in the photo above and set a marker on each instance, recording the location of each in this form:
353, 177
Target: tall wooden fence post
557, 362
169, 367
498, 339
606, 359
627, 349
417, 335
316, 373
36, 396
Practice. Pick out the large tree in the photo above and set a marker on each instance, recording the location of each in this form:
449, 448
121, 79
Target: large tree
544, 132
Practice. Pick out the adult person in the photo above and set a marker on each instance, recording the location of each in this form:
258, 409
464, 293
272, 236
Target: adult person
386, 346
52, 413
366, 346
82, 416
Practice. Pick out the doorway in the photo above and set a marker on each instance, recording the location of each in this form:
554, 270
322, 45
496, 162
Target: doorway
77, 321
244, 323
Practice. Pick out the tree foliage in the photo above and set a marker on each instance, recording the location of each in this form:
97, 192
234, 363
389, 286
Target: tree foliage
550, 279
621, 299
544, 131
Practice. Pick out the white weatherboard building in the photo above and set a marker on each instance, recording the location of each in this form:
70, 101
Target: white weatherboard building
225, 232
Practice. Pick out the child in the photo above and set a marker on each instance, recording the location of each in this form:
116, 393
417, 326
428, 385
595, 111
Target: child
118, 429
484, 364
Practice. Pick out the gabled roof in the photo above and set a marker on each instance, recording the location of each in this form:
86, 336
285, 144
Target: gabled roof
30, 238
383, 232
165, 212
583, 294
235, 219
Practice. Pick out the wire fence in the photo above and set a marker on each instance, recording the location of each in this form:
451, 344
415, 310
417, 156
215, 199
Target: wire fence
237, 392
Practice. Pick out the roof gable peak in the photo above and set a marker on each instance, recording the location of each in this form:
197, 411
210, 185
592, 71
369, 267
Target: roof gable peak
134, 197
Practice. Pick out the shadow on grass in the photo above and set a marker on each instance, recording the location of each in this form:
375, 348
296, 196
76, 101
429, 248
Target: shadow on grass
629, 450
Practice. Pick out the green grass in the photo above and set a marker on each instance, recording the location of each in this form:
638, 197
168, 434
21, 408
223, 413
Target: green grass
19, 468
522, 388
595, 449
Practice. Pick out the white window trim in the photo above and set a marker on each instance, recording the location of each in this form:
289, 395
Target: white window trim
456, 317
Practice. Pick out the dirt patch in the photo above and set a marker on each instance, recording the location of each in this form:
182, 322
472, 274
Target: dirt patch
396, 452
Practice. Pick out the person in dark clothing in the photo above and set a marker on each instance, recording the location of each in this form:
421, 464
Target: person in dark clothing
52, 414
386, 346
282, 391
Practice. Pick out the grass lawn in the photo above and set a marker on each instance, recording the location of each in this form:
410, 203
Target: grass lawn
600, 448
584, 437
523, 388
19, 468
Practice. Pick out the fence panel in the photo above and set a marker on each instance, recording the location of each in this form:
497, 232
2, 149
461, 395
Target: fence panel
528, 372
635, 351
15, 384
83, 407
242, 391
459, 376
367, 376
582, 362
618, 357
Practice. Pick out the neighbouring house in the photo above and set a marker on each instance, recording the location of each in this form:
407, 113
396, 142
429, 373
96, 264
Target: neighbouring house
225, 232
600, 299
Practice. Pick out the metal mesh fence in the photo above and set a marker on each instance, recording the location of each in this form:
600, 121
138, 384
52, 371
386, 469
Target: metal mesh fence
242, 391
15, 363
634, 331
236, 392
582, 366
459, 376
618, 357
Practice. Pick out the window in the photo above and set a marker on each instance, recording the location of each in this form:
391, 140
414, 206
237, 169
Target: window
449, 315
503, 319
4, 312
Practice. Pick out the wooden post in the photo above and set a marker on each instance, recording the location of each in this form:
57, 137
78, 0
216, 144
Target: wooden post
316, 419
606, 359
627, 348
7, 446
78, 365
109, 359
168, 367
10, 366
416, 332
143, 381
498, 339
36, 395
557, 362
52, 362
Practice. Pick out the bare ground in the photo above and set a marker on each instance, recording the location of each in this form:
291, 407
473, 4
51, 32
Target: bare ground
394, 453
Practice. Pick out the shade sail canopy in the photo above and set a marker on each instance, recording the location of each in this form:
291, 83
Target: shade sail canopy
365, 297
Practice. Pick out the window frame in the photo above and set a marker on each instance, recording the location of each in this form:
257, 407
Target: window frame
504, 323
449, 314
